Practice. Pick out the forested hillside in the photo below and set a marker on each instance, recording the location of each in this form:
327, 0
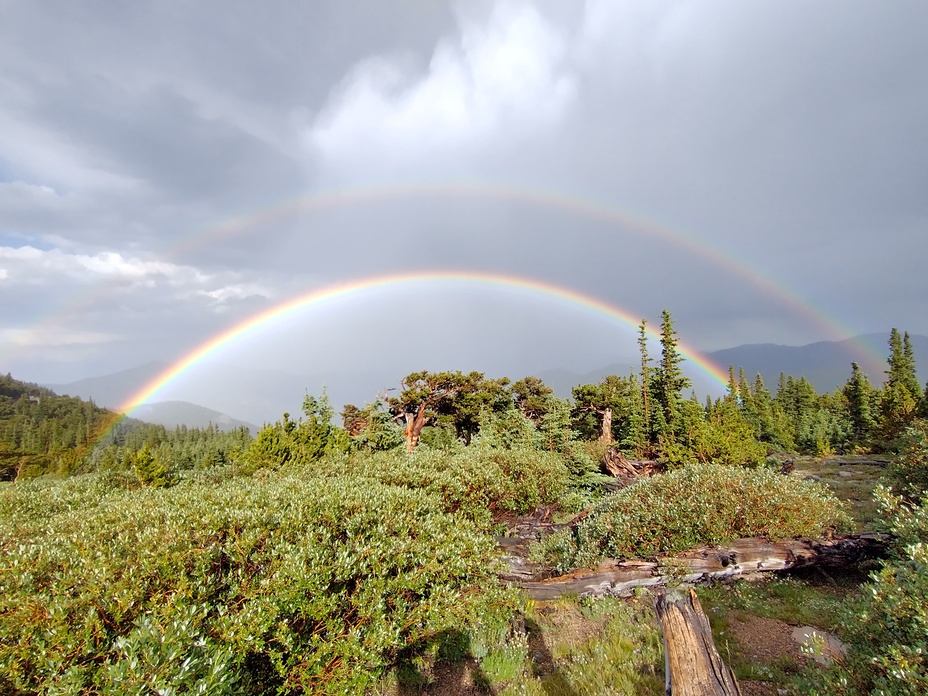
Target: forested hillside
41, 432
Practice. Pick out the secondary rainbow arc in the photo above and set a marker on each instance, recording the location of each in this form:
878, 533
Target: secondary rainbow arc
552, 200
357, 287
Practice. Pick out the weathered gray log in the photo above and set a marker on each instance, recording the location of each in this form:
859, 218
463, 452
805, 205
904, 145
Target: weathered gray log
692, 665
744, 557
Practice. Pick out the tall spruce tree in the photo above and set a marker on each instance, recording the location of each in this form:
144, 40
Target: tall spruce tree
670, 379
910, 374
859, 395
898, 403
645, 367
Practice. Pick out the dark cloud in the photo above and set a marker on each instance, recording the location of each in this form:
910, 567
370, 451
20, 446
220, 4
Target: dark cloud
152, 157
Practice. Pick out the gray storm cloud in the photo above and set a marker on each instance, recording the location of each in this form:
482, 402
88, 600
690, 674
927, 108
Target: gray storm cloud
787, 136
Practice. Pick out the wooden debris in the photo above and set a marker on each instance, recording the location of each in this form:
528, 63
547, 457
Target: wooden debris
741, 558
692, 664
627, 471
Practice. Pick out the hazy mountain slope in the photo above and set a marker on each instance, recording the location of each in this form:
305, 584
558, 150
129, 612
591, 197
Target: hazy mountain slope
170, 414
114, 389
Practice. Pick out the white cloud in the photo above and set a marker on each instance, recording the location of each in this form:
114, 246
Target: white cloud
502, 79
53, 336
29, 264
239, 291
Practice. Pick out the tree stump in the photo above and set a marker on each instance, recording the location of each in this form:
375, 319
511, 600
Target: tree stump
692, 664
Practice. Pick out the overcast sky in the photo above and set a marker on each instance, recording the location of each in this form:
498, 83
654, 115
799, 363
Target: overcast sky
758, 168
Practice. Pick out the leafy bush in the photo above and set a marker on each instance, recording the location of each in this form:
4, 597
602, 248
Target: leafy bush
274, 584
303, 440
699, 504
909, 472
887, 630
476, 481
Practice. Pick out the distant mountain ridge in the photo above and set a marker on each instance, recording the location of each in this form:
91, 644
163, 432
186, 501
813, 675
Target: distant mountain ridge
826, 364
112, 390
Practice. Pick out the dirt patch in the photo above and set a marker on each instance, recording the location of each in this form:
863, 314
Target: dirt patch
453, 679
568, 622
762, 641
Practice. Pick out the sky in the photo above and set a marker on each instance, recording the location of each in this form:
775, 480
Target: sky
170, 169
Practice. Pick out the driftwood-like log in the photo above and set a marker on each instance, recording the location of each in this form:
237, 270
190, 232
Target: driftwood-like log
744, 557
625, 471
692, 665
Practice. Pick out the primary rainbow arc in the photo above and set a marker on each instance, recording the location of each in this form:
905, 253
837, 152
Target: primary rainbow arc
357, 287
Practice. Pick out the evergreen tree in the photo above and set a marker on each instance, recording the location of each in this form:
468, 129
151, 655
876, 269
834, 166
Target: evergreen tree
603, 410
150, 470
645, 368
670, 379
910, 371
859, 395
530, 395
733, 394
898, 403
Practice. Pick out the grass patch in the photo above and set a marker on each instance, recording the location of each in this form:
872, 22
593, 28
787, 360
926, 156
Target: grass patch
808, 599
852, 483
603, 647
559, 648
748, 618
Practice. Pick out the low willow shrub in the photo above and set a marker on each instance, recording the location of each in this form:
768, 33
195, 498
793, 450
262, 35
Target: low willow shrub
909, 471
886, 631
476, 482
699, 504
275, 584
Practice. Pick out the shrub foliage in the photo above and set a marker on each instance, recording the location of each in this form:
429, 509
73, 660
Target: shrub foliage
698, 504
276, 584
476, 482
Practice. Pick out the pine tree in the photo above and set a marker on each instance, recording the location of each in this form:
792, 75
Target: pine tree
911, 373
670, 378
733, 394
898, 403
859, 394
645, 367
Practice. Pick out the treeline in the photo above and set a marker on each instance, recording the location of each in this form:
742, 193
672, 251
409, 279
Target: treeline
646, 414
43, 433
856, 417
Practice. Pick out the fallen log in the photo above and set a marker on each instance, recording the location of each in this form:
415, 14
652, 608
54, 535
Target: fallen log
692, 664
627, 471
744, 557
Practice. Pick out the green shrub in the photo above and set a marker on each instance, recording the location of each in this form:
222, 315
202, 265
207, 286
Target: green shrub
722, 436
909, 472
699, 504
887, 630
475, 482
273, 584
